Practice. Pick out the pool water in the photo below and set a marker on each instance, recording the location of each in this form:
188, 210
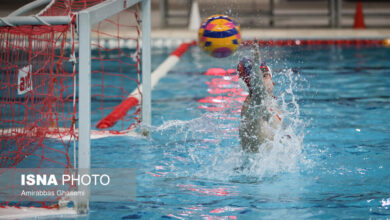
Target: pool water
336, 107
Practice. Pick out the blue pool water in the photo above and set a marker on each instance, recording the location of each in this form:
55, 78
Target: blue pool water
336, 107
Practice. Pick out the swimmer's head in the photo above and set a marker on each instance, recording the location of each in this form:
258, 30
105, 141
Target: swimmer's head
244, 69
267, 78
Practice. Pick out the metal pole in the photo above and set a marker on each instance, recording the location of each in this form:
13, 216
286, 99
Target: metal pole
163, 12
34, 20
146, 69
331, 13
271, 13
339, 5
84, 155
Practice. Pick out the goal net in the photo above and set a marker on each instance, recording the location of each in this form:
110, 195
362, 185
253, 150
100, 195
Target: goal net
39, 89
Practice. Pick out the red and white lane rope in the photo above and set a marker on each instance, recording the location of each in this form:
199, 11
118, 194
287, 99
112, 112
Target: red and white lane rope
298, 42
134, 98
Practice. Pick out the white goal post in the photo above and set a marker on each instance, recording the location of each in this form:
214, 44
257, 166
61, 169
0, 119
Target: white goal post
86, 19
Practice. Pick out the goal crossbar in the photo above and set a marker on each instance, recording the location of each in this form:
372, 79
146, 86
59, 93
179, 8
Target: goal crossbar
34, 20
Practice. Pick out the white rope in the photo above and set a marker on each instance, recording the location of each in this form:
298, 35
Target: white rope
73, 58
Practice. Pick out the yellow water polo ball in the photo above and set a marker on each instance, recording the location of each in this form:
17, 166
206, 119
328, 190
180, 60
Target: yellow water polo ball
386, 42
219, 36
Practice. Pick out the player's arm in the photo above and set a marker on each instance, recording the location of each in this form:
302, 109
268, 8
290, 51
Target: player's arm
258, 88
256, 53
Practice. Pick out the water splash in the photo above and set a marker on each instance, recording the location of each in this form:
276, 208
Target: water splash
286, 151
208, 147
287, 146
